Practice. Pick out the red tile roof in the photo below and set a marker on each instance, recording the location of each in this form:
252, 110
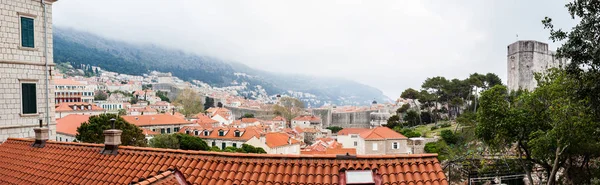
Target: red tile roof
68, 124
68, 106
204, 119
381, 133
148, 132
246, 133
81, 163
275, 139
59, 81
307, 118
347, 131
159, 119
249, 120
278, 118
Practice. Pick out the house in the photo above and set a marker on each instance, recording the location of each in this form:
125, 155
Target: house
223, 115
279, 123
162, 106
205, 121
26, 64
68, 90
245, 122
306, 121
223, 137
110, 106
142, 111
276, 143
40, 161
382, 141
148, 134
81, 108
66, 127
349, 137
161, 123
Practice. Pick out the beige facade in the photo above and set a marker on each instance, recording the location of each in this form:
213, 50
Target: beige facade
382, 147
24, 65
285, 149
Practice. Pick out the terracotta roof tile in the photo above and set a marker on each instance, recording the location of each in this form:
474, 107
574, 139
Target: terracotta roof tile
306, 118
347, 131
68, 124
159, 119
62, 162
380, 133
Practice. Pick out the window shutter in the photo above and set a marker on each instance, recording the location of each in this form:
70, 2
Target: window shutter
27, 32
28, 98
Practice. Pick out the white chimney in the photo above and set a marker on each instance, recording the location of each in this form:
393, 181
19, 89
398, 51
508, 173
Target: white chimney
41, 136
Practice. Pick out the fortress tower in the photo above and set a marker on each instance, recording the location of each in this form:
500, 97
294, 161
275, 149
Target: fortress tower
526, 57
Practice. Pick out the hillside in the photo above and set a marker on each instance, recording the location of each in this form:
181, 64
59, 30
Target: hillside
78, 47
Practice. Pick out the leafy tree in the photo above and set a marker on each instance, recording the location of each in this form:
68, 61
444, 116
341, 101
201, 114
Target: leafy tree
432, 147
100, 95
551, 126
412, 118
410, 93
188, 142
435, 86
163, 96
409, 132
92, 131
190, 101
426, 117
122, 112
164, 141
335, 129
448, 137
403, 108
248, 115
215, 149
209, 102
288, 108
393, 122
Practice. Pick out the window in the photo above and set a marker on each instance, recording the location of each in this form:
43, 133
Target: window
28, 98
374, 146
196, 132
237, 133
223, 146
353, 136
234, 145
214, 143
355, 143
395, 145
221, 133
27, 32
67, 140
168, 130
176, 129
206, 133
162, 130
188, 132
60, 139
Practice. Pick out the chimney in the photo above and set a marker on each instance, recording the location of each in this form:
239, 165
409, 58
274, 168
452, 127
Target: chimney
112, 140
41, 136
173, 111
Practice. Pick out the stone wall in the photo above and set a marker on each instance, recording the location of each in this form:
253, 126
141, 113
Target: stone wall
358, 119
19, 65
260, 114
526, 58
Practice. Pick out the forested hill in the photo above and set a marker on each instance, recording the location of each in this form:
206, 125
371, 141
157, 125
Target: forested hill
78, 47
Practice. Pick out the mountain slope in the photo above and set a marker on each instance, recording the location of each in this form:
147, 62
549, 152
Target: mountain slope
84, 48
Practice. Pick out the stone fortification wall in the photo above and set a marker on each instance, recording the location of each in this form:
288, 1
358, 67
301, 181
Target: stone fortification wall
358, 119
260, 114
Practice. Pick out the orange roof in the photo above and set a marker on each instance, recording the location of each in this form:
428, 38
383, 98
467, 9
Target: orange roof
307, 118
59, 81
246, 133
337, 151
274, 139
381, 133
145, 109
278, 118
82, 163
204, 119
68, 106
159, 119
148, 132
249, 120
68, 125
347, 131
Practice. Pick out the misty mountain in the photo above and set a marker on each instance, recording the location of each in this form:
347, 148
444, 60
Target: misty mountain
77, 47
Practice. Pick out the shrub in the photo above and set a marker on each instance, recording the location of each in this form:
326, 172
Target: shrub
434, 127
188, 142
445, 125
449, 137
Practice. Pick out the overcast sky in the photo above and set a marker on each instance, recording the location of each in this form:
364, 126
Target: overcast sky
390, 45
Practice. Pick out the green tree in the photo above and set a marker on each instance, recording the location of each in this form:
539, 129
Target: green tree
393, 122
190, 101
163, 96
92, 131
122, 112
410, 93
335, 129
248, 115
246, 148
100, 95
164, 141
551, 126
435, 86
412, 118
409, 132
209, 102
403, 109
188, 142
449, 137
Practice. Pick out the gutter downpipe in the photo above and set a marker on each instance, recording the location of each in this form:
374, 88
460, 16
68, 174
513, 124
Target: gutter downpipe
46, 64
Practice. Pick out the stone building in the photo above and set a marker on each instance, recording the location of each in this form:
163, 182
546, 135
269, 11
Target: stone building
160, 123
68, 90
25, 68
526, 57
382, 141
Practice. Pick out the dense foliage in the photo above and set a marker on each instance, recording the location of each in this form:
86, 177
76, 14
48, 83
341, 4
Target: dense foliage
335, 129
92, 131
190, 101
188, 142
164, 141
163, 96
248, 115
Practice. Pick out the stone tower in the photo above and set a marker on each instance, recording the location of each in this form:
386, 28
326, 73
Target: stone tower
526, 57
